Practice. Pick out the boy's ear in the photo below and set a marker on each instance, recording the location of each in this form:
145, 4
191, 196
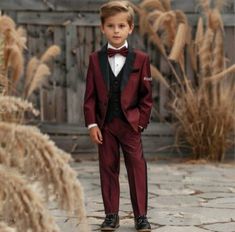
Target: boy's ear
131, 28
101, 28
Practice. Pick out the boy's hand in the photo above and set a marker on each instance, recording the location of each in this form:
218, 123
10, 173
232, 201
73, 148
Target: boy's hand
96, 135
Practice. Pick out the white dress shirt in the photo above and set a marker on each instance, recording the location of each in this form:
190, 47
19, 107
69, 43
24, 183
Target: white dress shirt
116, 63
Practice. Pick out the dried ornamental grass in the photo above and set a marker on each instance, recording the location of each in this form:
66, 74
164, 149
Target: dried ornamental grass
37, 70
18, 203
51, 53
218, 63
203, 108
38, 157
207, 128
14, 43
152, 4
199, 34
179, 43
5, 228
12, 109
205, 53
39, 78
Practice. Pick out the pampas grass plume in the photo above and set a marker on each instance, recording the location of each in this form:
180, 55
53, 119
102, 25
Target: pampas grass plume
152, 4
16, 62
6, 23
218, 53
39, 78
5, 228
20, 204
166, 4
12, 109
205, 53
179, 43
38, 157
52, 52
199, 33
30, 72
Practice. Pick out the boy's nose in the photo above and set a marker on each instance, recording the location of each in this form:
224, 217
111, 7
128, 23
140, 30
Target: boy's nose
116, 29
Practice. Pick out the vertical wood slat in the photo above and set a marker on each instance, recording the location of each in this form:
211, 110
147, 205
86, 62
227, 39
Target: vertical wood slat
71, 74
229, 41
80, 52
32, 44
59, 76
47, 36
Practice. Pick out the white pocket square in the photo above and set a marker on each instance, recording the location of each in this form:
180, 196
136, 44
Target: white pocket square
148, 78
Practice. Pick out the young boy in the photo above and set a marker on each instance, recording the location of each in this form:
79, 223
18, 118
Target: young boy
117, 106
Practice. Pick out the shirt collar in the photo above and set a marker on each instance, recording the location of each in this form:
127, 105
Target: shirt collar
124, 45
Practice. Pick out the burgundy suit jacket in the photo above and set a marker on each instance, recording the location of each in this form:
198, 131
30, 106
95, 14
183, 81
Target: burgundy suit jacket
136, 88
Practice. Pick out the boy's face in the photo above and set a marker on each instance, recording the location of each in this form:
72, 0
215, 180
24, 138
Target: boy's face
116, 29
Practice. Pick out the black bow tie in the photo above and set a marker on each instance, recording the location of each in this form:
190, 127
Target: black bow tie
123, 51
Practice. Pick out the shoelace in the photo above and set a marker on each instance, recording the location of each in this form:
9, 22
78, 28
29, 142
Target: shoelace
141, 219
109, 218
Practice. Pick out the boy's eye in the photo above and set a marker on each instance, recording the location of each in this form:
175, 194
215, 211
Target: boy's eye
122, 25
110, 25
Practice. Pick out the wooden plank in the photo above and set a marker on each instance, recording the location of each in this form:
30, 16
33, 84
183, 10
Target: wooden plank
55, 18
97, 38
89, 40
48, 105
60, 104
59, 64
58, 5
229, 44
12, 14
80, 53
71, 74
85, 5
23, 5
158, 129
73, 144
90, 19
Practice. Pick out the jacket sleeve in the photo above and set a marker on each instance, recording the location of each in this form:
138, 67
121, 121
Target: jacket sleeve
90, 96
145, 94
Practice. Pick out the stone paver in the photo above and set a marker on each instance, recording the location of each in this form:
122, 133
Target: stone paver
182, 198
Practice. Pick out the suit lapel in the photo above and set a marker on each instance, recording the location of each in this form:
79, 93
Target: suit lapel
104, 65
127, 67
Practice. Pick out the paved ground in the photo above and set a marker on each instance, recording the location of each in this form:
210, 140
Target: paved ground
182, 198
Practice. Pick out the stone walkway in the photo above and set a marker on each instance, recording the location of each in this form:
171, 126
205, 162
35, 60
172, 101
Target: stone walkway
182, 198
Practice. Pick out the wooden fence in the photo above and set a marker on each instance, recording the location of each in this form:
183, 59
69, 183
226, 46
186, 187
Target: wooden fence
74, 26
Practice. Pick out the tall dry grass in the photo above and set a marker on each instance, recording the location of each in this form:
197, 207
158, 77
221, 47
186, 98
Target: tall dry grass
203, 105
38, 158
13, 109
37, 70
6, 228
22, 207
12, 44
26, 150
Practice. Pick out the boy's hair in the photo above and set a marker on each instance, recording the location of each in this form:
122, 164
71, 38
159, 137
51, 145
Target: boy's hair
114, 7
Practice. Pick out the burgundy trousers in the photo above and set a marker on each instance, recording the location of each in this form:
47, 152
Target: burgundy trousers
116, 134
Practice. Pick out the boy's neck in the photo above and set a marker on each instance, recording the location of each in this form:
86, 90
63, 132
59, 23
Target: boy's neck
125, 44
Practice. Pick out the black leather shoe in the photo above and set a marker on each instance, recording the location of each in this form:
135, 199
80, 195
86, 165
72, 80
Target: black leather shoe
142, 224
111, 223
